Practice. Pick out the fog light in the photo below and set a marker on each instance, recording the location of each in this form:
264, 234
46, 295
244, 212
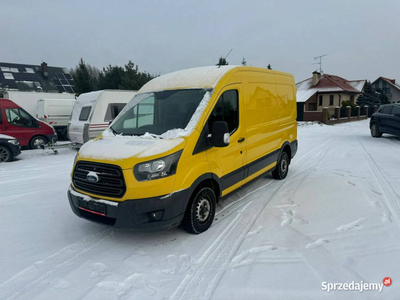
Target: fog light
156, 215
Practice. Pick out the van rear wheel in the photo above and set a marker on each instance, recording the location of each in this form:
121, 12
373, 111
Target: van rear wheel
282, 166
37, 141
200, 211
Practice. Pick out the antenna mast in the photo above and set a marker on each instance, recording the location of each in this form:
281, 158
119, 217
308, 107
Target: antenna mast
320, 61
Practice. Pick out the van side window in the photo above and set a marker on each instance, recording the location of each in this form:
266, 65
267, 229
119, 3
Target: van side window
226, 109
85, 113
113, 111
18, 117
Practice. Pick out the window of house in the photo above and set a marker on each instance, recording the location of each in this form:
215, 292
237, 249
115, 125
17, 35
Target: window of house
387, 109
377, 85
226, 109
384, 84
331, 97
113, 110
320, 100
18, 117
85, 113
387, 90
352, 98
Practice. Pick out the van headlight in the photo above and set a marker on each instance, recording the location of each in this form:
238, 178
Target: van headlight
158, 168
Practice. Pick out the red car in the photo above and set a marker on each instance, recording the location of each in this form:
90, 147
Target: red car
16, 122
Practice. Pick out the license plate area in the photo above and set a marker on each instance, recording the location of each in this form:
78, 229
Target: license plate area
93, 207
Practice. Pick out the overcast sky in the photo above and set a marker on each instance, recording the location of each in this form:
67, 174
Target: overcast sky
361, 38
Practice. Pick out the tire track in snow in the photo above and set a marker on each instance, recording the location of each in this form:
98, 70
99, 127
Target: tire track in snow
41, 270
234, 206
202, 282
391, 197
213, 263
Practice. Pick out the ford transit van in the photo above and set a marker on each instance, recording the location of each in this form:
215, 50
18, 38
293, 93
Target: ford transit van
18, 123
184, 141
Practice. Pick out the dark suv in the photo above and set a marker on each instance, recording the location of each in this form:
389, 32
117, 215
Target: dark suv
386, 120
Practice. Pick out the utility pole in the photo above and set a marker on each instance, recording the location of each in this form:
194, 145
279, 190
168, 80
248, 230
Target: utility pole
320, 62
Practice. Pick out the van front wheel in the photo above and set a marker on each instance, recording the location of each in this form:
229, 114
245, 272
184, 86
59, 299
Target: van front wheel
282, 167
200, 211
37, 141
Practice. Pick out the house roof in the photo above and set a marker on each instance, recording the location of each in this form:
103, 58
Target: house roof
391, 82
327, 83
25, 77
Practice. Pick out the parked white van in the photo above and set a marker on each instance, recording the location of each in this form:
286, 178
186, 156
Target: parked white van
55, 112
93, 112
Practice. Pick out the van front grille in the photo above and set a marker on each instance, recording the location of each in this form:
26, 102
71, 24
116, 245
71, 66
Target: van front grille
110, 179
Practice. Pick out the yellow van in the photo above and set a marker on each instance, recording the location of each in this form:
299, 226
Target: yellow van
184, 141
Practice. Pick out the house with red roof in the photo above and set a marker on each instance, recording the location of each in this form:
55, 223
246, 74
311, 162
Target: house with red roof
389, 87
324, 90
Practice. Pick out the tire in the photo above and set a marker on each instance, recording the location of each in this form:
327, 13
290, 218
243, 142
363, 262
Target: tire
375, 132
200, 211
5, 154
282, 167
36, 141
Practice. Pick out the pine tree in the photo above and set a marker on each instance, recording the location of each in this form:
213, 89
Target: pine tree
82, 78
222, 62
244, 62
382, 96
269, 67
368, 97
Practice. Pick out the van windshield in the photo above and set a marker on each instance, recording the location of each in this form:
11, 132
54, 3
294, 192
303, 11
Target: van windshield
158, 112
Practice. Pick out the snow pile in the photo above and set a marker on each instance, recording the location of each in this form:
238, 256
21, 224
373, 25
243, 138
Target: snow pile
202, 77
307, 124
122, 147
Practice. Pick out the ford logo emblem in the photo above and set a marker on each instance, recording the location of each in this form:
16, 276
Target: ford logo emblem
92, 177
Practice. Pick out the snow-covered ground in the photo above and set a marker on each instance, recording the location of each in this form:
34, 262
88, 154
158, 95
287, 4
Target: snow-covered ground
334, 219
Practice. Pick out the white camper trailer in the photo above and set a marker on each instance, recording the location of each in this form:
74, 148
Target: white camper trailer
93, 112
55, 112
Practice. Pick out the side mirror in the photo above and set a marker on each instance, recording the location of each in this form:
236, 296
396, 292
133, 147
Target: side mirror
220, 134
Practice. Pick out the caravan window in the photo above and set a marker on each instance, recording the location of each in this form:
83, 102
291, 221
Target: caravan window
113, 110
85, 113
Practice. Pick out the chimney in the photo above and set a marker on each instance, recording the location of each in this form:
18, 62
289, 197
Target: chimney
315, 77
44, 70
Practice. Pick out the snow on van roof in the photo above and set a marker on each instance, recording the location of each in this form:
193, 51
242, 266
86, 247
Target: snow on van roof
202, 77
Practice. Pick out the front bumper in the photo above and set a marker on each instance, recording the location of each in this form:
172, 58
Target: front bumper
16, 150
133, 213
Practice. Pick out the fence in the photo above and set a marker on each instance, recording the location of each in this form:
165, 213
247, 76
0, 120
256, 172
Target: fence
323, 116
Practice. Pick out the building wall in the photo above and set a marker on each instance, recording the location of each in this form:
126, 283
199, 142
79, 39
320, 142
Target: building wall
337, 100
392, 93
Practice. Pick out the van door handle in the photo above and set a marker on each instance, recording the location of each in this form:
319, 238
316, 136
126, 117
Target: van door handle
5, 127
241, 140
